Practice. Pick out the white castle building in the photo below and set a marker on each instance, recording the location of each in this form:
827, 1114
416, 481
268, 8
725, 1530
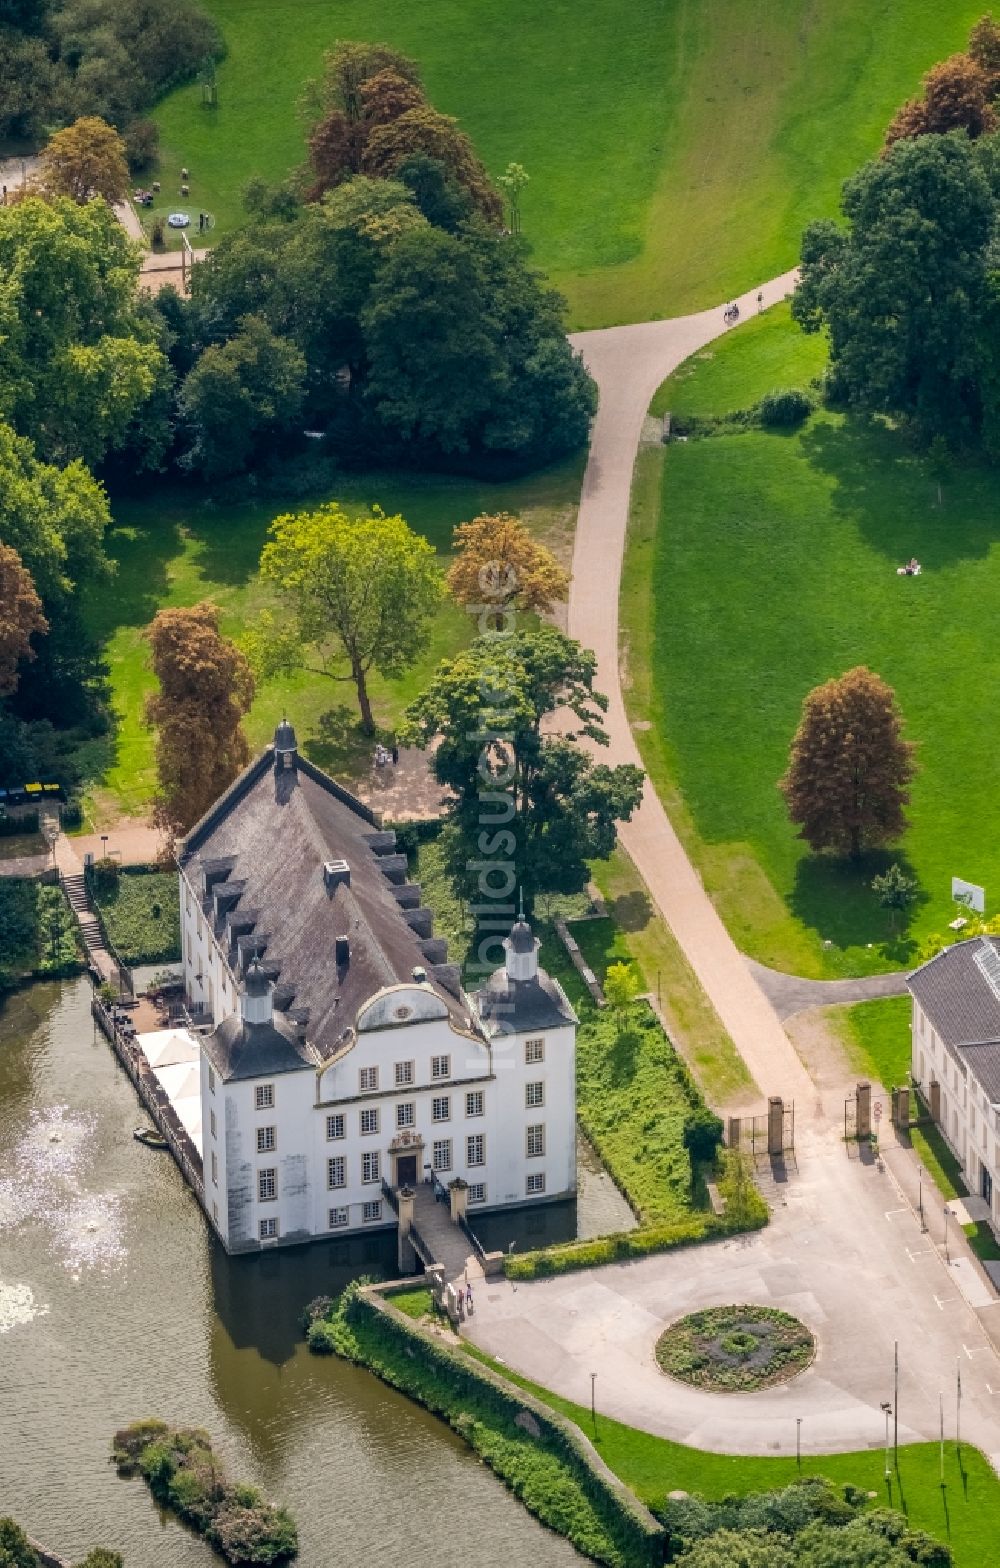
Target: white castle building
340, 1056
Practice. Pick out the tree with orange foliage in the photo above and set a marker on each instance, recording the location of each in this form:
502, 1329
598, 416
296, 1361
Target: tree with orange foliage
850, 768
205, 689
425, 130
21, 617
956, 97
500, 568
85, 160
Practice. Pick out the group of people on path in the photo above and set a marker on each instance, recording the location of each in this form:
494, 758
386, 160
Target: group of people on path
732, 310
383, 756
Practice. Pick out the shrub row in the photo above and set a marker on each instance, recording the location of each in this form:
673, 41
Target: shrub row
783, 409
544, 1458
184, 1474
38, 934
745, 1210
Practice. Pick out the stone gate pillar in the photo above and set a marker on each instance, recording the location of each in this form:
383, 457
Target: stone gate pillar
406, 1258
775, 1125
733, 1138
458, 1198
902, 1097
863, 1109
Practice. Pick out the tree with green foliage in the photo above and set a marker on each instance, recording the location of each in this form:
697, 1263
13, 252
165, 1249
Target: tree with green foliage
621, 987
902, 291
240, 395
16, 1550
355, 591
850, 768
80, 367
552, 808
83, 161
100, 1557
512, 182
895, 892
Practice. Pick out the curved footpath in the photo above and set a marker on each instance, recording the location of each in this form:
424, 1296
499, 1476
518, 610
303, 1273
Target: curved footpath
628, 364
844, 1250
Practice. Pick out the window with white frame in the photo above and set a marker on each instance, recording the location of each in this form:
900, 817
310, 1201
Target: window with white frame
336, 1126
404, 1074
441, 1108
477, 1192
474, 1150
339, 1218
372, 1211
369, 1122
534, 1051
267, 1139
406, 1113
211, 1080
535, 1183
215, 1169
534, 1140
267, 1184
534, 1095
268, 1229
440, 1066
212, 1124
368, 1080
371, 1167
474, 1103
264, 1096
441, 1156
336, 1171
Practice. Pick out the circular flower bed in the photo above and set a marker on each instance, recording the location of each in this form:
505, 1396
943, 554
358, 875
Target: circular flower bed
735, 1348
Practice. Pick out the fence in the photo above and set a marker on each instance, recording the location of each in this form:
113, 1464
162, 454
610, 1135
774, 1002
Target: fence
770, 1133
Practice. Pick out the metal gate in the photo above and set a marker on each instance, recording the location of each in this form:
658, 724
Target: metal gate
765, 1133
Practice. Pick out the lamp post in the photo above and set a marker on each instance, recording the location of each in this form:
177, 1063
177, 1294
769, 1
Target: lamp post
593, 1400
947, 1216
798, 1441
920, 1205
887, 1412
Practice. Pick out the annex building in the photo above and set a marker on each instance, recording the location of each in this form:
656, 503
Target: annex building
956, 1059
340, 1058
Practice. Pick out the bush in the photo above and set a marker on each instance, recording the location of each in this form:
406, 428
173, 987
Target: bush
26, 822
72, 815
142, 144
139, 912
15, 1548
784, 410
104, 876
158, 234
38, 935
703, 1134
184, 1474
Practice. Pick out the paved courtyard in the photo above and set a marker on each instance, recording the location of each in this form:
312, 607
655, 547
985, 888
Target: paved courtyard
845, 1253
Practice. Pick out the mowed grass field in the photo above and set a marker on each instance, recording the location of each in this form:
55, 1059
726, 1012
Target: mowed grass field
675, 150
178, 549
760, 565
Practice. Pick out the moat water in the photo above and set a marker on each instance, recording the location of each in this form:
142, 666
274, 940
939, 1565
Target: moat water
115, 1303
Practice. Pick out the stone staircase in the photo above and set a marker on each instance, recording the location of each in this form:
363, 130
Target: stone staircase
75, 888
446, 1242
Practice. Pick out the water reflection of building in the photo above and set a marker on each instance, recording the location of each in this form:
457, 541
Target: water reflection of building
341, 1058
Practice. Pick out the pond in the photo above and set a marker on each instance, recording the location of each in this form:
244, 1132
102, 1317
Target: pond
116, 1304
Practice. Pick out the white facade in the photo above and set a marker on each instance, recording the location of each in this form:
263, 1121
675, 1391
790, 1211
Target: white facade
304, 1153
967, 1117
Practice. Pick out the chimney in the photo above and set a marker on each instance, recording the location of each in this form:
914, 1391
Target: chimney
343, 952
419, 974
336, 873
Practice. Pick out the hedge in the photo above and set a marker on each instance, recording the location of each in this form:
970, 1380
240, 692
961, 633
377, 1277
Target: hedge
543, 1457
138, 911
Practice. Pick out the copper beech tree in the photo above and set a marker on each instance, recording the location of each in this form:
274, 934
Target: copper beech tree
20, 617
850, 768
205, 689
499, 568
958, 93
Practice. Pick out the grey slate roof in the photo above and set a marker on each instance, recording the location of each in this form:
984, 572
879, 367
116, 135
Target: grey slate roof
955, 995
268, 838
513, 1006
963, 1010
241, 1050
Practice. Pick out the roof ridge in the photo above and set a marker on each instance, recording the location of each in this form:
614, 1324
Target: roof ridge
220, 808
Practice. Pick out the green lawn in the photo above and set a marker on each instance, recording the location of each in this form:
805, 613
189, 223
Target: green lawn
180, 547
760, 565
876, 1036
736, 371
673, 160
141, 917
965, 1512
